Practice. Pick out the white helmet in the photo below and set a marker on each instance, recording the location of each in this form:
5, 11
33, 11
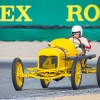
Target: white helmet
77, 28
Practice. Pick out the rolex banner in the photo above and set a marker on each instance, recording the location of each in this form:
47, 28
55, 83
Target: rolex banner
48, 13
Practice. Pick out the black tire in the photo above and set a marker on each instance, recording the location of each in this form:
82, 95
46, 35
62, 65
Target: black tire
76, 86
98, 71
43, 83
15, 78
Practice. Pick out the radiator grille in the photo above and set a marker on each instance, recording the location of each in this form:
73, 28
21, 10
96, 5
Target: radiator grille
47, 62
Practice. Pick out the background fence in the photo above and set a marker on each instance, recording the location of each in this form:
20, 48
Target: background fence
29, 20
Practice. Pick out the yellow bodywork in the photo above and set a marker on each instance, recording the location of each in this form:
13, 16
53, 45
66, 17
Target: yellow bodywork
51, 64
66, 44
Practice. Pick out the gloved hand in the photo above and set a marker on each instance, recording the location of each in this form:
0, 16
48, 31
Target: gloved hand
82, 46
49, 45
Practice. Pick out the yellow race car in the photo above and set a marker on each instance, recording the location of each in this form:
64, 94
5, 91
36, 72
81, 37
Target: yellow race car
58, 60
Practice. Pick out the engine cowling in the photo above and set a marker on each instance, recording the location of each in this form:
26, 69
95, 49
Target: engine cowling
53, 55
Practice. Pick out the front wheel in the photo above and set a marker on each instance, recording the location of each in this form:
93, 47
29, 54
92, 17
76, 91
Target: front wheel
17, 72
44, 83
98, 71
76, 74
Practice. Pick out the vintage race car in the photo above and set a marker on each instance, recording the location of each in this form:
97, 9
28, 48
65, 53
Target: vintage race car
58, 60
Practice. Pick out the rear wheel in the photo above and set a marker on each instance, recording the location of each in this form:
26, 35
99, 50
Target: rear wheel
98, 71
17, 72
76, 74
44, 83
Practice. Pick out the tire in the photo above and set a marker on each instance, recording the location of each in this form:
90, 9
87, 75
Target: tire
98, 71
44, 84
17, 69
76, 74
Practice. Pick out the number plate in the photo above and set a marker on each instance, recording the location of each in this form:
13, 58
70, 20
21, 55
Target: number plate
48, 62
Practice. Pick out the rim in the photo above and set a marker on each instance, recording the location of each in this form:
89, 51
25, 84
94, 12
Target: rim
19, 72
46, 81
78, 74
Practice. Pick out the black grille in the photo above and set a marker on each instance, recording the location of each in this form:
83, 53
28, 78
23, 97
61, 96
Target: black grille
52, 63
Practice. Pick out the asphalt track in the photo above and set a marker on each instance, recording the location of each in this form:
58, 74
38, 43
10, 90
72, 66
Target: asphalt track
33, 86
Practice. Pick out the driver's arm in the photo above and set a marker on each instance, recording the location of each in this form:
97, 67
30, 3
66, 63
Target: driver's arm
86, 42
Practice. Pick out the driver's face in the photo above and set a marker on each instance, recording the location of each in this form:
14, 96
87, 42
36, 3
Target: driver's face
76, 34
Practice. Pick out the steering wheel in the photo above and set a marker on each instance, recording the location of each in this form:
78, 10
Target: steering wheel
79, 41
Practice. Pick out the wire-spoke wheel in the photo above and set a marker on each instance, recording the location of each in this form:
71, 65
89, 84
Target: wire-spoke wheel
98, 71
44, 83
76, 74
17, 74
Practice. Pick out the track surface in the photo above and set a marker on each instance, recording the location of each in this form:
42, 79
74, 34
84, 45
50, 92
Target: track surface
32, 86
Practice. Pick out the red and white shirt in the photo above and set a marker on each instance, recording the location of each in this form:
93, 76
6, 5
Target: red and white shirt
83, 40
86, 42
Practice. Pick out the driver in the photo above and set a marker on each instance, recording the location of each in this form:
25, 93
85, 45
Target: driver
77, 38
